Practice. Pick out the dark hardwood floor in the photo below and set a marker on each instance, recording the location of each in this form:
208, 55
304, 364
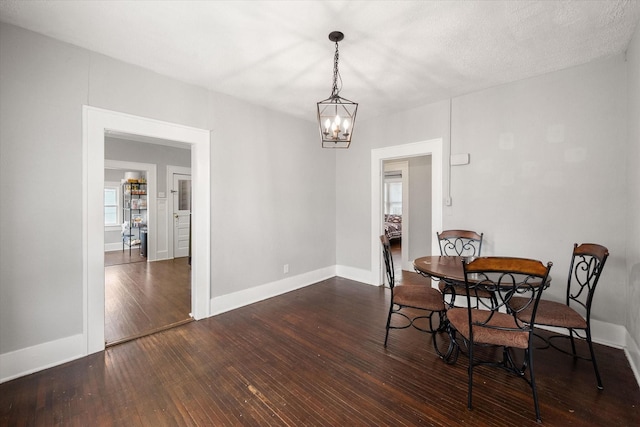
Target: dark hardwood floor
123, 257
311, 357
142, 297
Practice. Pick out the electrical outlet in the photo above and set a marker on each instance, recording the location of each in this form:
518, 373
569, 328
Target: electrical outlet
286, 268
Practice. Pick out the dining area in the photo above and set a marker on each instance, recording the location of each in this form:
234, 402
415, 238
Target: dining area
491, 312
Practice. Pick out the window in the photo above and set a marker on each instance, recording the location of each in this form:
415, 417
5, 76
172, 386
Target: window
111, 205
184, 194
393, 196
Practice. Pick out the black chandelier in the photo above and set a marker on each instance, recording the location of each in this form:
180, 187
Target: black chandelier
336, 115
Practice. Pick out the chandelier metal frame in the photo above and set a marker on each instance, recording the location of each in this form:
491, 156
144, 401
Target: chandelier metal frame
336, 115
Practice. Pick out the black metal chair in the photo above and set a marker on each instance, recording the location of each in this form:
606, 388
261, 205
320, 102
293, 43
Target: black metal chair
495, 323
460, 243
464, 243
587, 262
407, 298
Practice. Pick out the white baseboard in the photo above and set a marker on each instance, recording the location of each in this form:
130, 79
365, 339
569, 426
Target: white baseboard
601, 332
42, 356
111, 247
239, 299
356, 274
608, 334
632, 350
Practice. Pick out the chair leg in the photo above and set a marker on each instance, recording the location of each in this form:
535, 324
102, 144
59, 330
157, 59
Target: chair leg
529, 357
469, 406
386, 336
573, 344
452, 302
451, 354
593, 358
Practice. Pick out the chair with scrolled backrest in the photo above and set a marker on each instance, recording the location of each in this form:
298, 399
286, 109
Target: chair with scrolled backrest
465, 243
460, 243
407, 298
587, 262
494, 322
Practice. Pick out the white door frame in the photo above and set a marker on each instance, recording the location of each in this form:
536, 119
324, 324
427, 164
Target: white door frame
95, 122
431, 147
170, 171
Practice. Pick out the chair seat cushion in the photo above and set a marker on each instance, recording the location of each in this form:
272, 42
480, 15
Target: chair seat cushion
418, 296
551, 313
489, 335
461, 289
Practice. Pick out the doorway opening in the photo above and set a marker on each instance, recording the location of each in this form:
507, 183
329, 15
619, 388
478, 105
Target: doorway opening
144, 292
96, 122
379, 156
396, 218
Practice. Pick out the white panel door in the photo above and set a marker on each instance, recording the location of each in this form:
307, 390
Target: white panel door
181, 214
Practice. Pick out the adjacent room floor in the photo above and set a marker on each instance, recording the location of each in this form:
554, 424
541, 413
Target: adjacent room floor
142, 297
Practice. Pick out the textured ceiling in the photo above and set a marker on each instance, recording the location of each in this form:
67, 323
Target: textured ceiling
395, 55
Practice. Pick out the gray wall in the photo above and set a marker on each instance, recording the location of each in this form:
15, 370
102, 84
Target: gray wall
114, 175
273, 193
142, 152
420, 206
632, 295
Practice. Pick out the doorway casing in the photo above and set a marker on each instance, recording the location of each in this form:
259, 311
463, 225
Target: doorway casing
96, 122
431, 147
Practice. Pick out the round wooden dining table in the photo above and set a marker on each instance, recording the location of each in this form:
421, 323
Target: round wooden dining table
448, 268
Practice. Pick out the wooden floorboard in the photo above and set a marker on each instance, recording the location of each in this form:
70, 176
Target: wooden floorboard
312, 357
123, 257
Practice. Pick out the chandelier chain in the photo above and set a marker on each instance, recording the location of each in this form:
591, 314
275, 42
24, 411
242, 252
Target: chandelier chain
336, 74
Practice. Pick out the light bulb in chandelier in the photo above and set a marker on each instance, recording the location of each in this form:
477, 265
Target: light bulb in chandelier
338, 129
